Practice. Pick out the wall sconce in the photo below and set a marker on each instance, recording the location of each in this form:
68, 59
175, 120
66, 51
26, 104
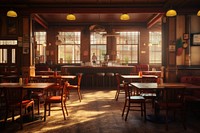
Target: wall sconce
11, 13
198, 13
124, 16
71, 17
171, 13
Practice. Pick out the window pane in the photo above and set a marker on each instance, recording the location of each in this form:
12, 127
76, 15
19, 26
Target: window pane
8, 42
69, 37
69, 49
40, 38
155, 49
13, 56
99, 50
98, 45
3, 56
127, 47
98, 38
69, 53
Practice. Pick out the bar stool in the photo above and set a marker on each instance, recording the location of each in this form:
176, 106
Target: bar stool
110, 78
100, 79
89, 79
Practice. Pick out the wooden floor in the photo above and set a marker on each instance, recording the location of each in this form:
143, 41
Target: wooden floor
100, 113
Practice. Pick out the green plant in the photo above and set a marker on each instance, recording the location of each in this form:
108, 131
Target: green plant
126, 60
69, 59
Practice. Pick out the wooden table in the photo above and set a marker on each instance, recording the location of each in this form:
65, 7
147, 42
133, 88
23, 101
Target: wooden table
157, 88
39, 78
137, 78
27, 86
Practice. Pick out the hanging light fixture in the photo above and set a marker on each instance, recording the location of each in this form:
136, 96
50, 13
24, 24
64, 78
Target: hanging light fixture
198, 13
171, 13
71, 17
124, 16
11, 13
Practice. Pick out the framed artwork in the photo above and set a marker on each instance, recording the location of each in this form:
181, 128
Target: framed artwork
12, 26
195, 39
25, 50
185, 36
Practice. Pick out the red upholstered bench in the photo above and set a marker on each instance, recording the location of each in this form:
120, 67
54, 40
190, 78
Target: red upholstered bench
193, 96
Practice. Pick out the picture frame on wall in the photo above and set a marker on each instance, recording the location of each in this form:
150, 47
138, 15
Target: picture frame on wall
12, 26
25, 50
185, 36
195, 39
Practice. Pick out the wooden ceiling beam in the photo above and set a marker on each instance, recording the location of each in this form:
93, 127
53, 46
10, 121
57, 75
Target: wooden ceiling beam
39, 20
154, 20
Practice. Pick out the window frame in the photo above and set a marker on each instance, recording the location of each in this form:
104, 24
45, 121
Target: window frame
69, 59
157, 47
96, 43
131, 43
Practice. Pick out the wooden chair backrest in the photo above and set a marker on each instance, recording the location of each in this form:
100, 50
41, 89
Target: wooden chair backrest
173, 94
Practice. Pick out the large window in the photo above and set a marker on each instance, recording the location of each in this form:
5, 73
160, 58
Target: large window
98, 45
127, 47
69, 47
40, 38
155, 47
8, 51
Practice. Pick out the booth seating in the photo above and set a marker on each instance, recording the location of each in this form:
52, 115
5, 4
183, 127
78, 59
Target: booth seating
142, 67
192, 96
195, 80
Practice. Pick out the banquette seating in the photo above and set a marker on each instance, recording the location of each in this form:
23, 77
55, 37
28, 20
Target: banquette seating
193, 96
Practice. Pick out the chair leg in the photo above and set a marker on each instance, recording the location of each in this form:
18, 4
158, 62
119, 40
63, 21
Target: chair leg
166, 120
49, 109
63, 110
32, 111
184, 118
21, 119
124, 108
79, 94
45, 109
117, 95
144, 111
38, 105
6, 117
13, 114
127, 111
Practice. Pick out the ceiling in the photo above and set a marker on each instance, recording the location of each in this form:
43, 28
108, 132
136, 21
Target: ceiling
147, 12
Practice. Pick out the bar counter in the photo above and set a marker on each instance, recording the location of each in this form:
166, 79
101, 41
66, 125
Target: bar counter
90, 77
122, 69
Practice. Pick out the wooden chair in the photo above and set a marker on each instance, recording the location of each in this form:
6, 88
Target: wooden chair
76, 87
120, 86
56, 94
38, 95
149, 95
133, 102
2, 104
171, 99
15, 101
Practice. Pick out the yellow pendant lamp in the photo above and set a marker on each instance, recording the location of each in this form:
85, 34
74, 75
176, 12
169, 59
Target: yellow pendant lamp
11, 13
71, 17
171, 13
124, 16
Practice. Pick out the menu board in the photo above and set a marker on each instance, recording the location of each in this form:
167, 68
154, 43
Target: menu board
196, 39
